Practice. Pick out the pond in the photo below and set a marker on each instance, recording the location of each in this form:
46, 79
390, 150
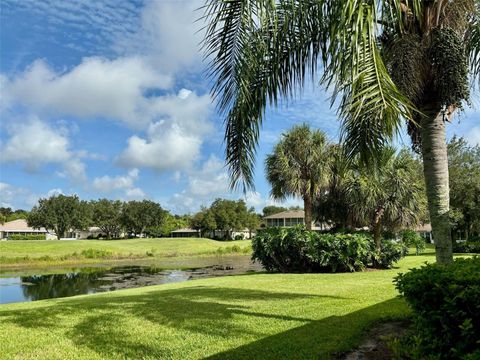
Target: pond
18, 287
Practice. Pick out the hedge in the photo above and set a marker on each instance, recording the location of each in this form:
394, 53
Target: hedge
27, 237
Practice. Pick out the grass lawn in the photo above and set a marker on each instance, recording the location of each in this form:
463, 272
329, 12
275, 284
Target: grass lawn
259, 316
34, 252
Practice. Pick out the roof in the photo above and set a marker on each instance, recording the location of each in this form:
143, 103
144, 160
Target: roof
19, 225
290, 214
424, 228
185, 230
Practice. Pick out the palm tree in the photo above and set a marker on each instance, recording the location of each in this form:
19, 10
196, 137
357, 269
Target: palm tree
387, 61
298, 166
390, 197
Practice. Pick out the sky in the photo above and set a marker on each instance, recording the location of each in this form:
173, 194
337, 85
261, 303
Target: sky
109, 99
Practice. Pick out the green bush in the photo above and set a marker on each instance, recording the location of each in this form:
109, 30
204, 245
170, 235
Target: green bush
27, 237
446, 308
239, 237
413, 239
296, 249
467, 247
390, 254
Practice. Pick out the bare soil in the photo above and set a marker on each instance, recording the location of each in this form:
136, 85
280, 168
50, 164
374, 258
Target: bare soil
375, 344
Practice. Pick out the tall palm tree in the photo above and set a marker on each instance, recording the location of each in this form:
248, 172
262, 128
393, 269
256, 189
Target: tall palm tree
386, 61
389, 197
298, 166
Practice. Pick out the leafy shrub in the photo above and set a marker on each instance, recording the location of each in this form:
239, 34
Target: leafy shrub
296, 249
413, 239
390, 254
467, 247
27, 237
239, 237
446, 307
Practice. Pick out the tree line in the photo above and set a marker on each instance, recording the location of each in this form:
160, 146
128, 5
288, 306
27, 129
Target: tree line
61, 214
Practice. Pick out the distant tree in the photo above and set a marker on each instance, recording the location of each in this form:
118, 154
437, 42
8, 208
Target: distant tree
107, 215
60, 213
137, 216
229, 215
299, 166
464, 172
272, 209
253, 221
204, 221
169, 224
3, 218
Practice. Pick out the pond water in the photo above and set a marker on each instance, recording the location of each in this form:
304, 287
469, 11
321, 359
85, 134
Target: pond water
18, 287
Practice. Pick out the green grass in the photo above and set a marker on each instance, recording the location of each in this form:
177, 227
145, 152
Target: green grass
34, 252
259, 316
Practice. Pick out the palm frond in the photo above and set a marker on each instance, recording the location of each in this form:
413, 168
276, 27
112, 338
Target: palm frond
260, 50
472, 41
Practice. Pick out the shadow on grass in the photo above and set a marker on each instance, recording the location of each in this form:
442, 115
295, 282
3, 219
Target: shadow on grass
225, 314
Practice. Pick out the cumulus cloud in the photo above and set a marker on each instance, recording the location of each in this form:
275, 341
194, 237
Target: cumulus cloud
35, 143
168, 36
125, 183
9, 194
473, 136
204, 185
173, 142
95, 88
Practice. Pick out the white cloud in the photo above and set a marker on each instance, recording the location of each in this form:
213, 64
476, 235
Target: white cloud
204, 185
174, 142
124, 183
107, 184
134, 194
473, 136
169, 35
9, 194
96, 87
35, 144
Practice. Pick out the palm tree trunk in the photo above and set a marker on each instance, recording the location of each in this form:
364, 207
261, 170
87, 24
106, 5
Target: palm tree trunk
435, 168
377, 229
307, 207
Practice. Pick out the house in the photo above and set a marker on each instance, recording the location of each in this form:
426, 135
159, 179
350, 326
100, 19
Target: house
20, 227
185, 233
425, 231
285, 218
290, 218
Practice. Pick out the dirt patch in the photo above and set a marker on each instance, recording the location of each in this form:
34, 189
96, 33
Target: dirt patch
375, 344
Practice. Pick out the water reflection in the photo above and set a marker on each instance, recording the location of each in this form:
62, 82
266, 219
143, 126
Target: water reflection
92, 280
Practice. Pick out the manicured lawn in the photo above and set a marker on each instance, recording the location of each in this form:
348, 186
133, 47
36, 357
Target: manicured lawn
14, 253
259, 316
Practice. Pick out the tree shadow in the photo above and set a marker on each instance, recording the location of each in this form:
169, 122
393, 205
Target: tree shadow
103, 321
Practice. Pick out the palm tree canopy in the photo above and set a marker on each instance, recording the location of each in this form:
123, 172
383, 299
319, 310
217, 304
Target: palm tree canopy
395, 189
299, 164
261, 50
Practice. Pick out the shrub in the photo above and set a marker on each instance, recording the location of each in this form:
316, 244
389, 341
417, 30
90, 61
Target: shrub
467, 247
390, 254
446, 308
239, 237
27, 237
296, 249
413, 239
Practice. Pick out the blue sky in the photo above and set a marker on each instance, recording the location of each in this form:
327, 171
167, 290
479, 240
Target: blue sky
109, 99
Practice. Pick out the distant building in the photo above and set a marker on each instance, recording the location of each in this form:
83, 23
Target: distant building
425, 231
290, 218
185, 233
20, 227
285, 218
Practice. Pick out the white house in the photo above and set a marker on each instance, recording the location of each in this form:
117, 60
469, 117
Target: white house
290, 218
20, 227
